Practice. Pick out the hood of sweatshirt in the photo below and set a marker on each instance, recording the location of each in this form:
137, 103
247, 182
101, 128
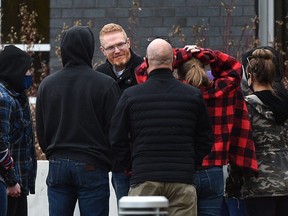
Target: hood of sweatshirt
77, 46
269, 105
14, 64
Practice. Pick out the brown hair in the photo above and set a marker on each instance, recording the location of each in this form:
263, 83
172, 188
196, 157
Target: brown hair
262, 67
193, 72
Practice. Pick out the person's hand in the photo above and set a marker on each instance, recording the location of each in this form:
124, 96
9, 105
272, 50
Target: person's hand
14, 191
192, 48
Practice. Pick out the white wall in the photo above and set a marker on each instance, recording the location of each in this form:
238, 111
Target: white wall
38, 202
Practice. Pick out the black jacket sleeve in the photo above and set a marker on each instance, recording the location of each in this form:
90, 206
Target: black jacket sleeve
119, 134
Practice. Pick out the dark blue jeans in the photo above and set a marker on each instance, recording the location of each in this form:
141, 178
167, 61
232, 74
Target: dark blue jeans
69, 181
210, 190
233, 207
121, 184
3, 198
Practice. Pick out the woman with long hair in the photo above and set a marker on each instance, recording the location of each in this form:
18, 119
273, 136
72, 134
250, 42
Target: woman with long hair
229, 117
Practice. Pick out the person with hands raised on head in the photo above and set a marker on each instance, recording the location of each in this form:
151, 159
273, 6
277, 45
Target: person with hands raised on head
233, 142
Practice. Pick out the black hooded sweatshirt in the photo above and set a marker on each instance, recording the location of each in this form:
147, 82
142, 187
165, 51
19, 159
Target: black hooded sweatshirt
74, 105
14, 64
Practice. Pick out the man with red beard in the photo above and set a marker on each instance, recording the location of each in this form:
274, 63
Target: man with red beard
120, 65
121, 60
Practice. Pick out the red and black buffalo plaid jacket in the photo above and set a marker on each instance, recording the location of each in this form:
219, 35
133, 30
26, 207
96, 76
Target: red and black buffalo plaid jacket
227, 109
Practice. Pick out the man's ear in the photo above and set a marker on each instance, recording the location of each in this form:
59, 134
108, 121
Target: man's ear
103, 50
248, 75
174, 59
128, 42
146, 59
249, 81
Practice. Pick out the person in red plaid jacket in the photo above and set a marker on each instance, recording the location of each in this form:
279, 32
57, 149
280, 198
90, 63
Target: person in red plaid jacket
233, 142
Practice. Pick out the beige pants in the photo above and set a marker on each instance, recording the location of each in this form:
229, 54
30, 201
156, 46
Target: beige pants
182, 197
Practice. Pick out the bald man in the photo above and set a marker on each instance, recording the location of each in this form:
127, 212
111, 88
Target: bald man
160, 131
159, 55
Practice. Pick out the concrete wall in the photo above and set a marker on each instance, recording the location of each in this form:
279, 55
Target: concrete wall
38, 202
227, 26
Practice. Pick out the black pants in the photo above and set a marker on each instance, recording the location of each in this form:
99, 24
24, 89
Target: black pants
17, 206
267, 206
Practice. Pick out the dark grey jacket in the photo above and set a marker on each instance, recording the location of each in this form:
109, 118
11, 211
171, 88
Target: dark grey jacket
169, 127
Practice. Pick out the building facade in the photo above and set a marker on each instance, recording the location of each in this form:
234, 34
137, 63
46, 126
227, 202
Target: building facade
232, 26
227, 26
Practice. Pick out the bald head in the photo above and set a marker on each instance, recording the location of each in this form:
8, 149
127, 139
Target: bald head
160, 55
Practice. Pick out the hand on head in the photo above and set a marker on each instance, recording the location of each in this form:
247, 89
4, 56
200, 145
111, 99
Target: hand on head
192, 48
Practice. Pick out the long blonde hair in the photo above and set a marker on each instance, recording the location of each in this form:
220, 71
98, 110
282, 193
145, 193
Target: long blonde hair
193, 73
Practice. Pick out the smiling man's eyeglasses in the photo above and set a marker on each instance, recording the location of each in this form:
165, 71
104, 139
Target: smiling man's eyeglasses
119, 46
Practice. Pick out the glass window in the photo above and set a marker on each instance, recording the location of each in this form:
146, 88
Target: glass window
14, 17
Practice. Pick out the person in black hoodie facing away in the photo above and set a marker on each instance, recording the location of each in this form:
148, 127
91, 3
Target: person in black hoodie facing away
73, 111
